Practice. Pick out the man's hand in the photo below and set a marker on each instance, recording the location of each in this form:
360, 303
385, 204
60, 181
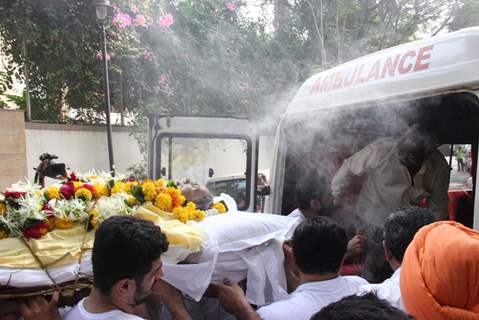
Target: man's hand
37, 308
233, 300
171, 297
356, 245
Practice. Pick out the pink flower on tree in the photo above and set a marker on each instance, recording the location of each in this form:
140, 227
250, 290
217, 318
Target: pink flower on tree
148, 54
231, 6
166, 20
134, 8
164, 78
122, 20
140, 20
99, 56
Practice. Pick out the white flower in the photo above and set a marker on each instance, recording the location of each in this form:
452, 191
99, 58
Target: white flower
113, 206
73, 209
24, 186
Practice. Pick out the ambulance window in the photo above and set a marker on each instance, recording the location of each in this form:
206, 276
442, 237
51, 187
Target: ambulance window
460, 162
218, 163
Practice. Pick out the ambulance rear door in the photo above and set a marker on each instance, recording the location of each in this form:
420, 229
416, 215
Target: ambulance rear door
221, 153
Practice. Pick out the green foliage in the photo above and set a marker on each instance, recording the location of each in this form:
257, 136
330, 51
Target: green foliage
466, 15
210, 61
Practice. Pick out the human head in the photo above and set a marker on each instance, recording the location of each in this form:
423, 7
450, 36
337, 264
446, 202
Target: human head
400, 228
355, 307
198, 194
319, 245
439, 273
126, 258
415, 146
262, 181
312, 194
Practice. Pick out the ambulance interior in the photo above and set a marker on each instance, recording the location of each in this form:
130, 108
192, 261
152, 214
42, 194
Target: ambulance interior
322, 139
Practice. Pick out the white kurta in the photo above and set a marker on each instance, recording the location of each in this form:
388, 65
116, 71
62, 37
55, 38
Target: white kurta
388, 184
388, 290
311, 297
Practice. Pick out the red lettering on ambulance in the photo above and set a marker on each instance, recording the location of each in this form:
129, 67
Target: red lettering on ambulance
403, 67
359, 79
316, 86
349, 78
424, 54
338, 80
390, 66
374, 73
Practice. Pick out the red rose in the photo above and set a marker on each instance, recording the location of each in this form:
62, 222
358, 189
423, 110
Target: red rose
49, 211
36, 231
67, 191
14, 194
73, 177
89, 187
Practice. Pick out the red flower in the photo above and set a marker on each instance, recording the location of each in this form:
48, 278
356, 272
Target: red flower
36, 231
49, 211
67, 191
424, 203
88, 187
14, 194
73, 177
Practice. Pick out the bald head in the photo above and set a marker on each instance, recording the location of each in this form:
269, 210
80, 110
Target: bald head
197, 194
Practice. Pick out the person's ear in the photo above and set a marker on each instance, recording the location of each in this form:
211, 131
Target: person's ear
124, 288
315, 205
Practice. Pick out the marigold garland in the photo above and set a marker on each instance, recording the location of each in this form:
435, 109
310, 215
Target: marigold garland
53, 192
220, 207
84, 194
28, 211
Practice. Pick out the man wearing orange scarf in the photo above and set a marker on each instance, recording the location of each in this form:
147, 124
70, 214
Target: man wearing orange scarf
440, 273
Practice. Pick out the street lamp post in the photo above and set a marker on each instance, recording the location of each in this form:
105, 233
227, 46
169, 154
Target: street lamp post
101, 11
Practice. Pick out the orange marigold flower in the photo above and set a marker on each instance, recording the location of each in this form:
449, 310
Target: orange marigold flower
3, 208
53, 192
83, 194
101, 190
164, 202
220, 207
64, 223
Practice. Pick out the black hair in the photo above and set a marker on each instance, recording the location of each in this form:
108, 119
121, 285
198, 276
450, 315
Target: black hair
125, 248
319, 245
365, 307
402, 225
309, 188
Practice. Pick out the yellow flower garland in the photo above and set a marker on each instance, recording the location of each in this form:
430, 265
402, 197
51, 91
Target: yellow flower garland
53, 192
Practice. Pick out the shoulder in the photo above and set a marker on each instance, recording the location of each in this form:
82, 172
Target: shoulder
355, 280
436, 159
379, 148
289, 308
296, 213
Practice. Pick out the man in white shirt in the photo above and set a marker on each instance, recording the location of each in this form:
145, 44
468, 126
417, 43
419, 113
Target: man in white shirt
397, 173
399, 230
313, 196
127, 269
319, 245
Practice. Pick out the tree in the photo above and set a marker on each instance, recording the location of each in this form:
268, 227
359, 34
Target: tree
184, 57
465, 15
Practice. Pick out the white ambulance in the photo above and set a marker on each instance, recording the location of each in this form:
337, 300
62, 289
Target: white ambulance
433, 82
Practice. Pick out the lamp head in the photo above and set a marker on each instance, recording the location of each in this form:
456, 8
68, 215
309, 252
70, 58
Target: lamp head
102, 8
